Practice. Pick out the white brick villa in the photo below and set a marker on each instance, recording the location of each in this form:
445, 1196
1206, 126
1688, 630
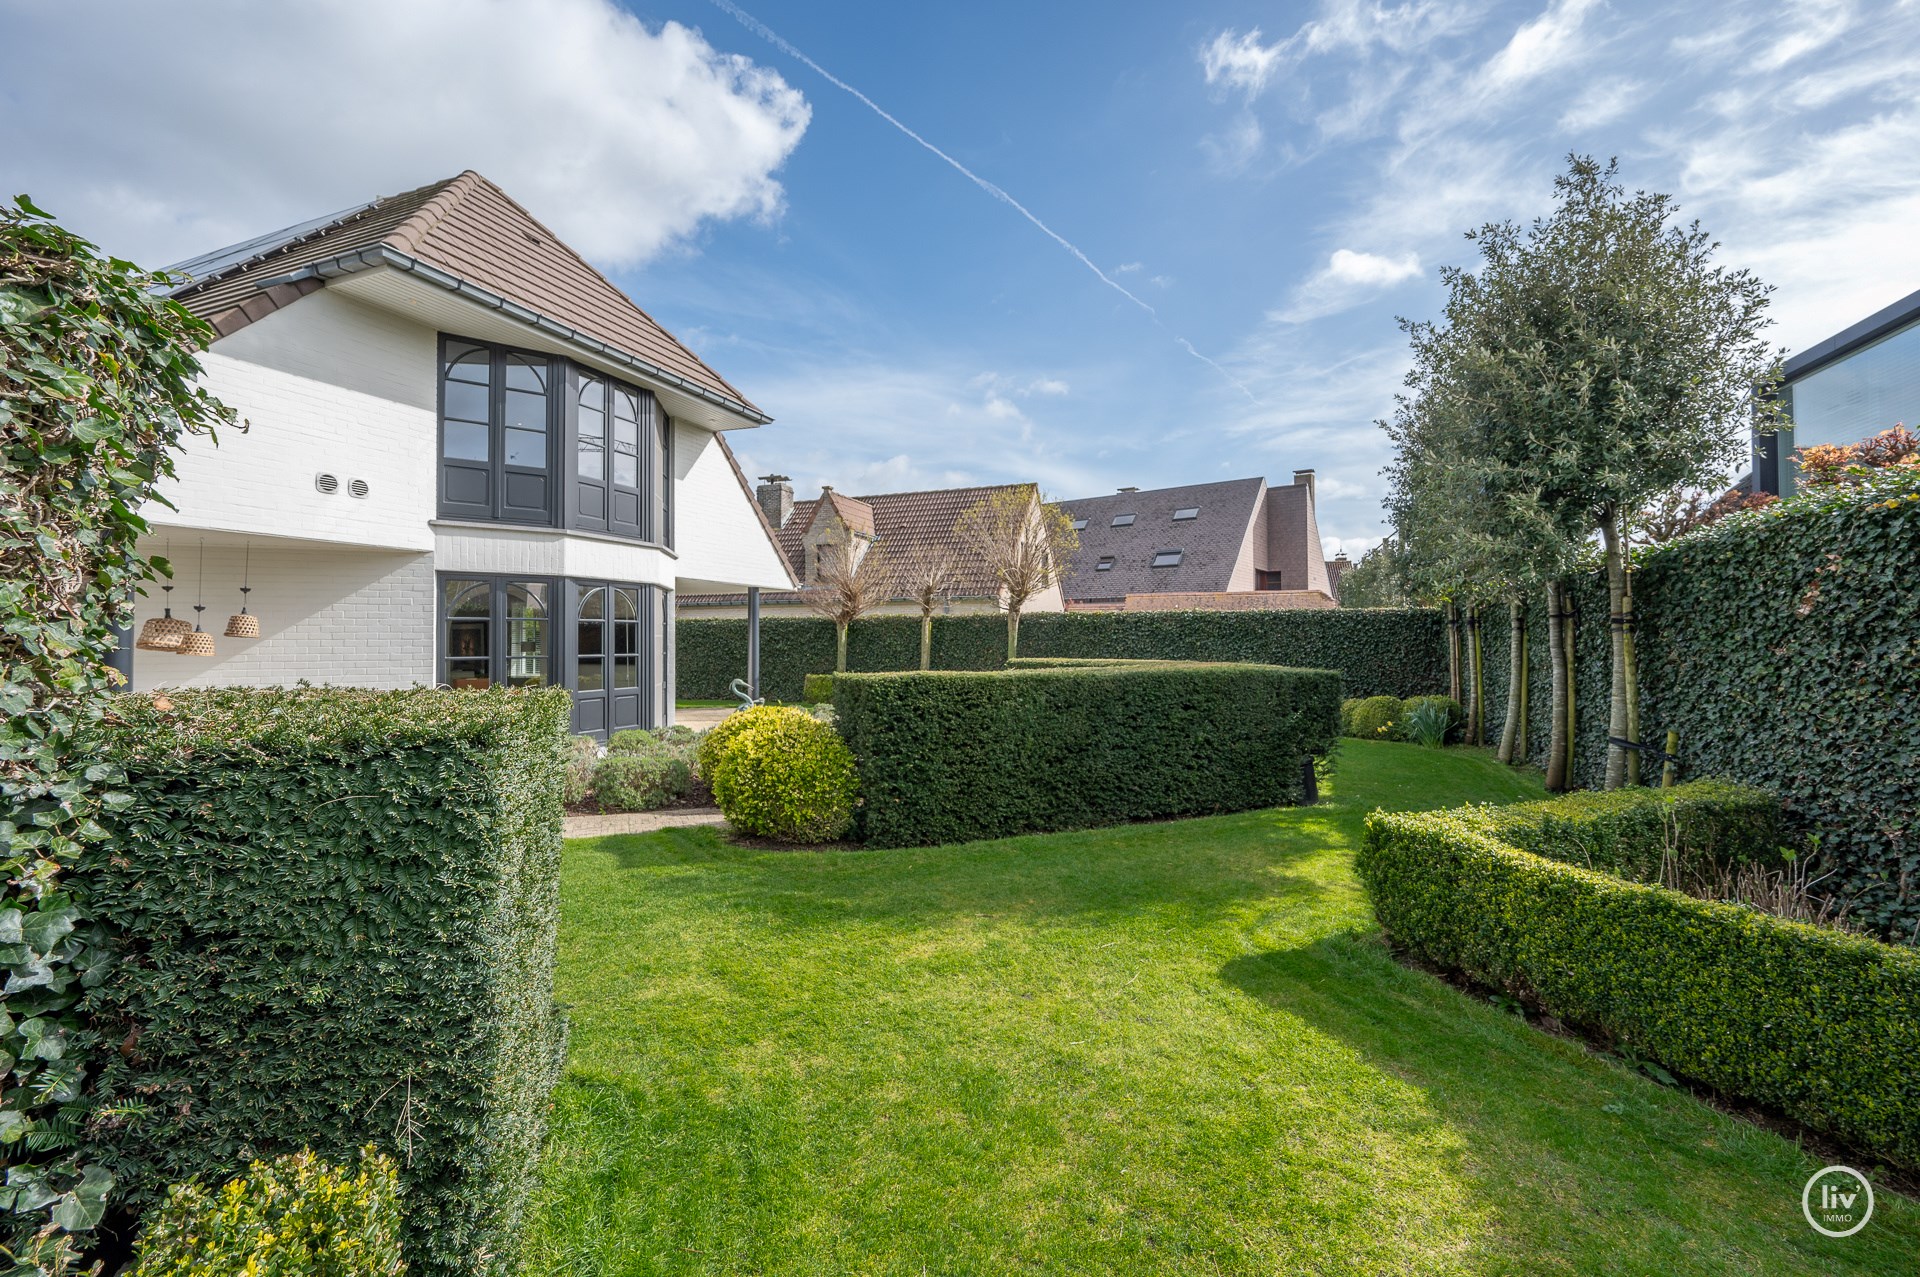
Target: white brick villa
471, 460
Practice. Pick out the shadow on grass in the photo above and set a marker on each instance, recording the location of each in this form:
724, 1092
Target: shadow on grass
1547, 1122
1193, 867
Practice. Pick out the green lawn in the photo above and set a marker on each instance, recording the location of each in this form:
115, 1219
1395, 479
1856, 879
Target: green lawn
1157, 1049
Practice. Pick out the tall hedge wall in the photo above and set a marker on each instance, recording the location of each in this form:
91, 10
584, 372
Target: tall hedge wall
1391, 652
1817, 1023
337, 913
947, 757
1783, 646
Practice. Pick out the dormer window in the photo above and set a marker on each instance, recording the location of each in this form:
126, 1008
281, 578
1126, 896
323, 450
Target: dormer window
1122, 521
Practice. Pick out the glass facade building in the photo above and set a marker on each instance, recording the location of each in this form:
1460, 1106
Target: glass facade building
1847, 388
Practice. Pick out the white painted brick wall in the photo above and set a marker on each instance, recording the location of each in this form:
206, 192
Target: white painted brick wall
326, 384
361, 618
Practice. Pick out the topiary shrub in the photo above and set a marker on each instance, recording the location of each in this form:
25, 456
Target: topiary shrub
1347, 707
1379, 718
714, 741
295, 1216
787, 776
583, 755
1456, 717
641, 782
817, 689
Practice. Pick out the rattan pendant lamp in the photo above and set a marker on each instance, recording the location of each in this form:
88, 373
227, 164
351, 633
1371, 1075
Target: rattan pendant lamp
163, 633
244, 624
198, 643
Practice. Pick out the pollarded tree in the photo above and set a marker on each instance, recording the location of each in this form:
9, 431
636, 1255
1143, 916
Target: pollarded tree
1026, 544
1378, 579
847, 586
1617, 362
927, 576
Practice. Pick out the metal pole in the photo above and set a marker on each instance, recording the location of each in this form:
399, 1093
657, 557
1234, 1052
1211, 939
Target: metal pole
753, 641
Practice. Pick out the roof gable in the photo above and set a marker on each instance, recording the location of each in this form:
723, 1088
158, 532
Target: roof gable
470, 229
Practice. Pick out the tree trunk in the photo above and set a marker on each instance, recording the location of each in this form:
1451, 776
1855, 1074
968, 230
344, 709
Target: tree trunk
1013, 631
1521, 755
1619, 723
840, 647
1557, 665
1453, 652
1476, 711
1570, 640
1512, 732
926, 640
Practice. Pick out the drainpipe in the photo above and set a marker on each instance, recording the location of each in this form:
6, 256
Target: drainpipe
753, 641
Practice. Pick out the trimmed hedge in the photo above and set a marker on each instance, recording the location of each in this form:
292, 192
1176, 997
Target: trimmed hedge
817, 689
337, 913
787, 776
1705, 824
1816, 1023
1783, 645
1386, 651
947, 757
1377, 718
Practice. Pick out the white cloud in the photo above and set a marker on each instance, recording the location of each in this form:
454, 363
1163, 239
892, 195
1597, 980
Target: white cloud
1815, 24
202, 123
1346, 279
1545, 44
1240, 62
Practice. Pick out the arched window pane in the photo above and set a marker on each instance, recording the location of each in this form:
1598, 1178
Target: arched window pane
468, 389
626, 437
593, 428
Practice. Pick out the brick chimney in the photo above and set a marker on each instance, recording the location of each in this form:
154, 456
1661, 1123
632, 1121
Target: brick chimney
1304, 477
775, 495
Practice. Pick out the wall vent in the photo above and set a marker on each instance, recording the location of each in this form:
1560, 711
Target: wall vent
357, 488
327, 483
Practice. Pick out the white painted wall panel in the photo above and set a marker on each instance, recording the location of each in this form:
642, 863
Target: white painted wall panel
717, 535
499, 551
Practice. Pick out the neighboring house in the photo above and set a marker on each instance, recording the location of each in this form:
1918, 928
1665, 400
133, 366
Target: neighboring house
1233, 545
1850, 387
814, 534
469, 460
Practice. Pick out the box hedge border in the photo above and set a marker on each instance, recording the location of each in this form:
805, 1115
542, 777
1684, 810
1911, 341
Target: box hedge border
337, 914
1704, 825
1816, 1023
1386, 651
954, 756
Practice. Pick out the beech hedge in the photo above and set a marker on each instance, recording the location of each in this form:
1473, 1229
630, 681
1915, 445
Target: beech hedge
948, 757
1385, 651
336, 914
1817, 1023
1783, 645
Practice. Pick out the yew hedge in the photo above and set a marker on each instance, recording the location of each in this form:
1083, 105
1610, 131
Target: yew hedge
336, 914
1387, 651
948, 757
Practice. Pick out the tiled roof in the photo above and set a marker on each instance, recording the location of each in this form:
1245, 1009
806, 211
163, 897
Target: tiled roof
469, 228
854, 512
1236, 601
1209, 544
903, 522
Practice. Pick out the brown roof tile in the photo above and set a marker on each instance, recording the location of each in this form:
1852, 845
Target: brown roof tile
470, 228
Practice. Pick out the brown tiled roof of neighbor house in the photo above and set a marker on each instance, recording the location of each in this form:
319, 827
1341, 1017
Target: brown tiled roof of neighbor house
1225, 601
469, 228
854, 512
904, 523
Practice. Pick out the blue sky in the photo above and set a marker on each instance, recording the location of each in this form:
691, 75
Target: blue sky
1277, 182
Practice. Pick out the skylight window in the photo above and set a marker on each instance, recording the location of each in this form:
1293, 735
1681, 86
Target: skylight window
1186, 512
1166, 558
1079, 525
1104, 565
1122, 521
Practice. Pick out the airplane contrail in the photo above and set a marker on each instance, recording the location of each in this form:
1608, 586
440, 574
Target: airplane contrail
774, 38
